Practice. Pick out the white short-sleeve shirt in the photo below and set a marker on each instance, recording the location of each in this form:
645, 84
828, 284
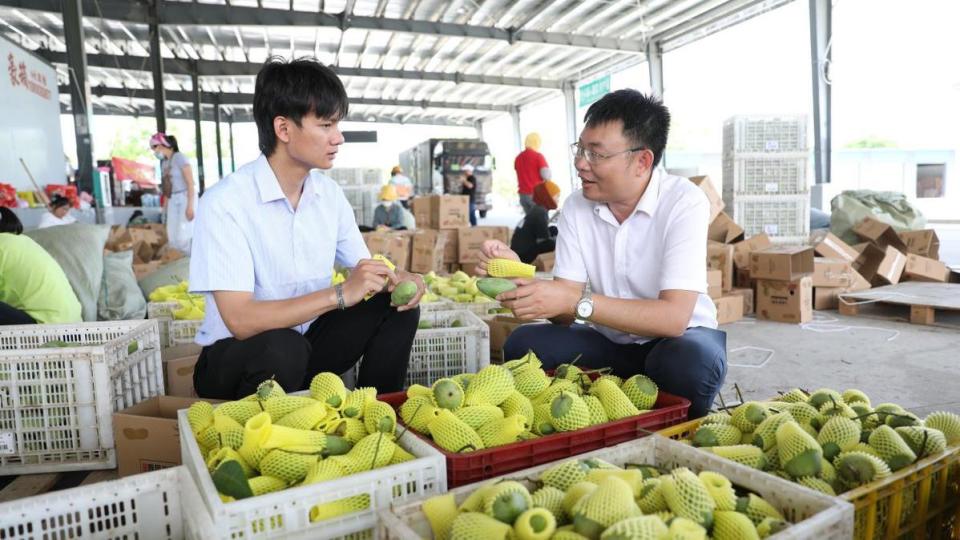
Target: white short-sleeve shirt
661, 246
247, 237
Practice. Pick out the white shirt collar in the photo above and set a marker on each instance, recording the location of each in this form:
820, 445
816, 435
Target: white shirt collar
269, 187
647, 204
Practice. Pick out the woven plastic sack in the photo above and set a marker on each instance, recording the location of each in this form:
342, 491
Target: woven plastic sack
890, 207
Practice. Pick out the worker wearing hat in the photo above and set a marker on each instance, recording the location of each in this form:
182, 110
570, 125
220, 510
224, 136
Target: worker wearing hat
402, 184
389, 213
531, 169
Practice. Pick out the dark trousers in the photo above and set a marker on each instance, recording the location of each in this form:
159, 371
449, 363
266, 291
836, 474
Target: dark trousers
12, 315
692, 365
232, 368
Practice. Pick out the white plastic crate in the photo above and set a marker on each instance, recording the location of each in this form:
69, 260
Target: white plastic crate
172, 332
286, 514
777, 216
350, 177
480, 309
777, 174
145, 506
363, 201
446, 350
813, 514
749, 133
442, 304
56, 403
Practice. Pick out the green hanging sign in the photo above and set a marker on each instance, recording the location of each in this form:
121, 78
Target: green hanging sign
594, 90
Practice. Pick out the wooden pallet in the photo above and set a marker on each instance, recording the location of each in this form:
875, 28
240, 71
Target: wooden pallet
28, 485
931, 304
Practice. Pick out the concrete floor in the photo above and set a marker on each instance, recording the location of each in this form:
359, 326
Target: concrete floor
916, 366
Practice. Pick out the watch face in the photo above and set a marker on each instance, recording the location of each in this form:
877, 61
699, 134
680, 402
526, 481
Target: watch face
584, 310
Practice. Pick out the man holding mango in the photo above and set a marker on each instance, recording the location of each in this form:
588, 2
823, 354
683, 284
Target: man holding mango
629, 287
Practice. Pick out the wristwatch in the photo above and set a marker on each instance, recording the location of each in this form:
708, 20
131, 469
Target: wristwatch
585, 305
338, 288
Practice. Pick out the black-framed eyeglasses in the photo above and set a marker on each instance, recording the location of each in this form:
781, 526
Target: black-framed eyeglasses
595, 157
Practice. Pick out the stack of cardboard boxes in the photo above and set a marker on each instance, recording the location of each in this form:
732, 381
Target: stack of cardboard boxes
784, 286
732, 303
443, 242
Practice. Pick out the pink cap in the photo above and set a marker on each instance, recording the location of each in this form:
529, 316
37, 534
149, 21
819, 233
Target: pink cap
161, 139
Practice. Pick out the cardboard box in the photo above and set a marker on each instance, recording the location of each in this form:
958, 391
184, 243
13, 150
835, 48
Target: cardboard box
729, 309
545, 261
924, 243
720, 257
471, 240
723, 229
716, 201
785, 301
714, 283
784, 263
146, 235
394, 245
167, 254
828, 245
920, 268
742, 279
869, 261
860, 247
426, 252
891, 267
178, 376
827, 297
451, 250
141, 270
142, 252
743, 249
879, 233
179, 351
832, 273
469, 268
501, 327
422, 209
146, 435
748, 299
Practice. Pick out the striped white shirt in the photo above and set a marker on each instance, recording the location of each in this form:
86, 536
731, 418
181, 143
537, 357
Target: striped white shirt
247, 237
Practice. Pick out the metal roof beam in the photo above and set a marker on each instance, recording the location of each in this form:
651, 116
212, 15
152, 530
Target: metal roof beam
241, 98
214, 68
193, 14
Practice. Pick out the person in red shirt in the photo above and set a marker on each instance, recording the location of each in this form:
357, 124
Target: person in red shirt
531, 169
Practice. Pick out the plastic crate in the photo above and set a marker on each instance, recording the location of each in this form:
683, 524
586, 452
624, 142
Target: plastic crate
749, 134
775, 215
363, 201
781, 174
446, 350
463, 469
813, 514
922, 500
172, 332
480, 309
286, 513
56, 404
440, 305
140, 506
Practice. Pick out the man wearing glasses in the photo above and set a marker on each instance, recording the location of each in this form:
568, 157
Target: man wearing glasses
629, 263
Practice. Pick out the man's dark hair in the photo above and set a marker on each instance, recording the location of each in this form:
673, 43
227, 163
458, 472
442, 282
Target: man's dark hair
9, 222
173, 143
646, 120
293, 90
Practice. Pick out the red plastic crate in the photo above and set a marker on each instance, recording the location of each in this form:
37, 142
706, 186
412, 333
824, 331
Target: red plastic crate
463, 469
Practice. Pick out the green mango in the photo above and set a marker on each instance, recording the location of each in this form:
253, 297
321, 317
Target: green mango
403, 293
494, 286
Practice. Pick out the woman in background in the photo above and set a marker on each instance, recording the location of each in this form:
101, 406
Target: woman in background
33, 287
59, 213
177, 183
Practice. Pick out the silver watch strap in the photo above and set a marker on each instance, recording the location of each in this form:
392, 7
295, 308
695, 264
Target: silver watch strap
341, 305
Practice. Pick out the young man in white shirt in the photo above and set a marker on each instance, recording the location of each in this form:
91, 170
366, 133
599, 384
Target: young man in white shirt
265, 243
638, 237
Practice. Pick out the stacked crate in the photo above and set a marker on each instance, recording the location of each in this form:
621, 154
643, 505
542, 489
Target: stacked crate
361, 187
765, 186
